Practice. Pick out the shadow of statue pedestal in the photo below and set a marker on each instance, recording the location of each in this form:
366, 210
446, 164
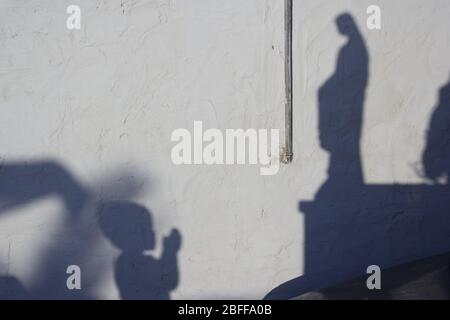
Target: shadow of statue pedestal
348, 229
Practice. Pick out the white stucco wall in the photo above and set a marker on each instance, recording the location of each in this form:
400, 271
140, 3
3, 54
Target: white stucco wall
103, 101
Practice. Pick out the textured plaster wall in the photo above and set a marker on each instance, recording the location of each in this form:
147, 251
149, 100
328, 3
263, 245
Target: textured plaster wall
103, 101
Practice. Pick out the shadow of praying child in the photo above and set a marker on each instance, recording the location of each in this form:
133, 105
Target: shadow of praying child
139, 276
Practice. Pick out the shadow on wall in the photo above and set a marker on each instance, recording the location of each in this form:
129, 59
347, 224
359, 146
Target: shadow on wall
25, 182
351, 225
126, 224
139, 276
436, 158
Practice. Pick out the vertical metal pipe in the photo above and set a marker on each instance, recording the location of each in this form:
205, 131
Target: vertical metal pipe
288, 152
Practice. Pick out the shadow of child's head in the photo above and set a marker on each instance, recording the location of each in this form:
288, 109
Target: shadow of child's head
127, 225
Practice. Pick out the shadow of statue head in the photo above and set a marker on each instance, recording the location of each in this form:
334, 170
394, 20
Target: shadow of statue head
128, 226
346, 25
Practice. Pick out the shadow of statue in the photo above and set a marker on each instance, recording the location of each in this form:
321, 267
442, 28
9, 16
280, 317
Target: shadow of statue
338, 202
340, 103
351, 225
341, 106
139, 276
